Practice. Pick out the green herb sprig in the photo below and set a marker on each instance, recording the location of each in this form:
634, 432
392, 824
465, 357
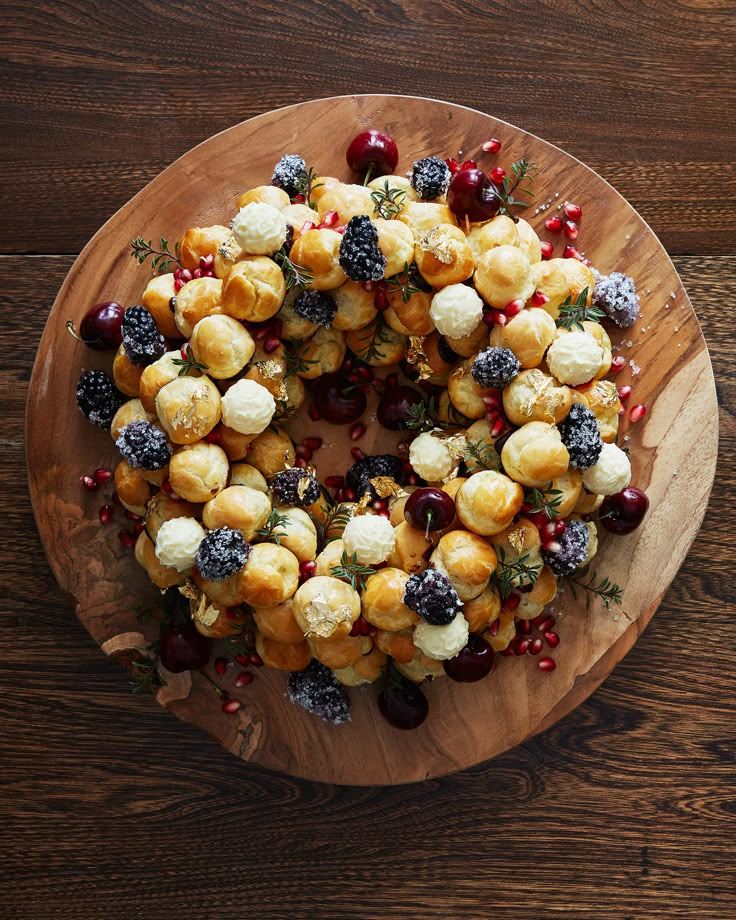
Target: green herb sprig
352, 571
545, 500
294, 358
404, 282
603, 588
573, 315
305, 186
161, 258
375, 339
145, 677
189, 363
423, 416
295, 275
271, 532
521, 170
482, 453
514, 574
388, 202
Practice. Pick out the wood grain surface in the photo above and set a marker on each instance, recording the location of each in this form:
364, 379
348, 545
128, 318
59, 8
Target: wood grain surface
110, 808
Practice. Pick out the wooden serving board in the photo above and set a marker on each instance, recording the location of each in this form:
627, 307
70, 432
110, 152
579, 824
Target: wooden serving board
673, 449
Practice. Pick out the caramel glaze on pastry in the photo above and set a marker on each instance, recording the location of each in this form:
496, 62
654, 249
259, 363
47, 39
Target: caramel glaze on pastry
529, 242
601, 397
504, 274
226, 592
127, 376
467, 560
423, 216
467, 346
488, 502
278, 622
325, 606
197, 242
412, 549
234, 443
199, 471
529, 334
396, 242
318, 252
443, 257
300, 534
330, 557
239, 507
265, 194
348, 200
223, 345
270, 576
283, 656
243, 474
550, 280
383, 600
533, 396
188, 408
534, 454
157, 299
253, 289
196, 299
578, 277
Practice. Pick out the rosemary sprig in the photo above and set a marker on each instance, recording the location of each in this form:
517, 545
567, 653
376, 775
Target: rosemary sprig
521, 170
294, 358
604, 589
270, 531
189, 363
145, 677
352, 571
483, 454
160, 258
295, 275
516, 574
143, 614
546, 500
423, 416
404, 283
284, 416
388, 202
337, 519
573, 315
305, 186
380, 335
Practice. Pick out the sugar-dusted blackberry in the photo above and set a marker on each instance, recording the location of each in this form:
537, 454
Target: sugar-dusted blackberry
222, 553
317, 307
98, 397
495, 367
144, 446
142, 341
431, 595
290, 174
295, 487
317, 690
581, 435
360, 256
430, 178
359, 476
616, 295
573, 549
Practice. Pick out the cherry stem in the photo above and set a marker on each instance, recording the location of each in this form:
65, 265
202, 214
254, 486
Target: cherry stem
429, 521
73, 332
368, 174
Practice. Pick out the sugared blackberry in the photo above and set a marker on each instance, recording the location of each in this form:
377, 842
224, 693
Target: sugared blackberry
98, 397
495, 367
431, 595
581, 435
360, 257
142, 341
430, 178
222, 553
359, 475
295, 487
144, 446
317, 690
317, 307
290, 174
574, 548
616, 295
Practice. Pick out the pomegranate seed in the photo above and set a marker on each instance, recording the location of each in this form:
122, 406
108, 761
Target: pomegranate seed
552, 546
573, 211
220, 665
307, 226
548, 529
357, 453
299, 198
553, 224
249, 638
624, 393
492, 400
364, 373
545, 622
520, 646
379, 505
524, 627
186, 275
494, 628
618, 363
244, 660
379, 387
271, 344
178, 285
546, 664
197, 273
183, 351
260, 331
132, 516
571, 229
335, 482
551, 638
547, 249
106, 513
206, 262
511, 602
372, 631
506, 651
88, 482
102, 475
300, 462
498, 427
355, 629
469, 164
535, 646
452, 165
560, 527
349, 495
305, 453
126, 538
330, 219
493, 145
539, 298
498, 174
365, 627
313, 413
312, 443
339, 229
498, 318
231, 706
357, 431
139, 528
392, 380
308, 568
570, 252
637, 412
514, 308
243, 679
256, 660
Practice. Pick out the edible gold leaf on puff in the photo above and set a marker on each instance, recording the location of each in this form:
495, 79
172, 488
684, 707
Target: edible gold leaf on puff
607, 392
386, 487
515, 536
457, 444
362, 505
229, 249
435, 243
190, 590
415, 355
322, 620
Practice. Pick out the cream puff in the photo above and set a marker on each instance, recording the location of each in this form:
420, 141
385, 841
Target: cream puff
482, 610
259, 229
421, 667
601, 397
265, 194
239, 507
366, 670
339, 651
574, 357
131, 411
550, 280
243, 474
132, 489
162, 507
409, 316
318, 253
253, 289
163, 576
456, 310
465, 394
284, 656
499, 231
488, 501
412, 549
325, 606
197, 242
377, 344
396, 242
158, 299
270, 576
223, 345
298, 533
533, 396
528, 334
188, 408
529, 242
424, 216
520, 540
544, 591
355, 306
323, 353
467, 560
399, 645
127, 376
271, 453
278, 622
196, 299
534, 454
197, 472
443, 257
382, 600
158, 374
348, 200
504, 274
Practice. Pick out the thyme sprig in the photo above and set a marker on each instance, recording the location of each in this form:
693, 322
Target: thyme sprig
603, 588
189, 363
404, 282
573, 315
336, 519
294, 358
521, 170
270, 531
388, 202
145, 677
483, 454
295, 275
284, 416
514, 574
545, 500
160, 258
378, 336
423, 416
352, 571
305, 186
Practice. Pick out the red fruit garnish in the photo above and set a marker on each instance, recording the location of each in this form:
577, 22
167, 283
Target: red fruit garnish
471, 194
373, 151
100, 328
473, 663
182, 648
429, 509
623, 512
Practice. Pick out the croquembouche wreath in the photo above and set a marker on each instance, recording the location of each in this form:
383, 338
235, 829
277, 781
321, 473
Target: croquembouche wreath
487, 360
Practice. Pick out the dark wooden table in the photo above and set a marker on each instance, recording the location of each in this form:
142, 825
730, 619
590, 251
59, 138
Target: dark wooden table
112, 809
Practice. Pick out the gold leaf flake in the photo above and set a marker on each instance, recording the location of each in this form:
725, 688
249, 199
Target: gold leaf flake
322, 620
190, 590
303, 486
362, 505
415, 355
230, 249
453, 475
607, 393
515, 536
460, 371
385, 486
206, 613
439, 246
457, 444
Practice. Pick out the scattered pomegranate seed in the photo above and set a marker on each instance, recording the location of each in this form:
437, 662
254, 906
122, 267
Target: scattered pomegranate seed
553, 224
271, 344
469, 164
552, 546
357, 453
244, 660
547, 249
392, 380
560, 528
183, 351
496, 317
243, 679
545, 622
506, 651
492, 401
571, 230
379, 505
349, 495
513, 308
206, 262
102, 475
106, 513
126, 538
313, 413
330, 219
88, 482
307, 226
494, 628
548, 529
452, 165
300, 199
220, 665
618, 363
570, 252
520, 646
637, 412
498, 174
551, 638
312, 443
335, 482
493, 145
307, 568
546, 664
511, 602
197, 273
498, 427
535, 646
357, 431
303, 452
573, 211
178, 285
524, 627
300, 462
539, 298
624, 393
256, 660
132, 516
139, 528
186, 275
231, 706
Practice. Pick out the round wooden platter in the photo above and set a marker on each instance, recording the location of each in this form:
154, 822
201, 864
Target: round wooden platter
673, 449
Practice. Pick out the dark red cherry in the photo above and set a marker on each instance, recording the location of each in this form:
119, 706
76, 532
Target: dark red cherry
476, 661
338, 400
393, 408
623, 512
374, 151
182, 648
471, 193
101, 326
429, 509
403, 705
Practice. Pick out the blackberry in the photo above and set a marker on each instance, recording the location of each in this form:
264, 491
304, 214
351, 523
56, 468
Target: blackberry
98, 397
317, 307
144, 446
495, 367
574, 548
295, 487
222, 553
430, 178
581, 435
360, 257
142, 341
359, 475
317, 690
616, 295
431, 595
290, 174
